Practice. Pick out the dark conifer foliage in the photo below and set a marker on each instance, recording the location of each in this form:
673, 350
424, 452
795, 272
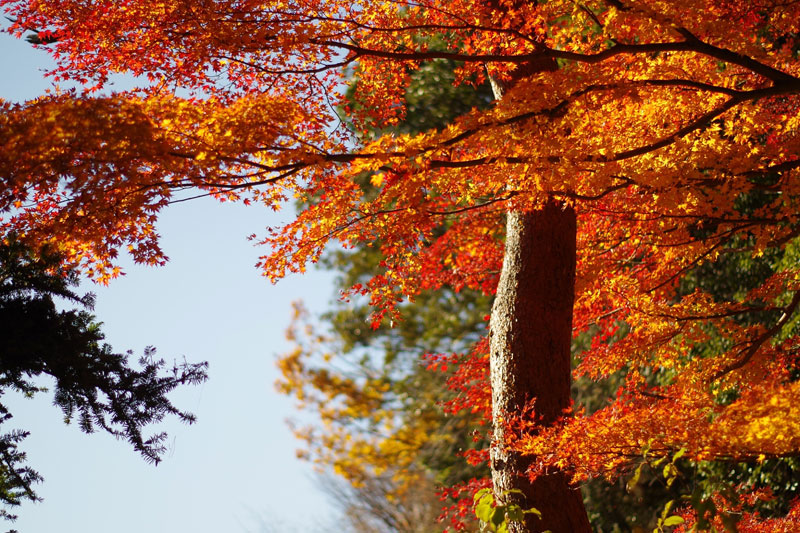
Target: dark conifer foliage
92, 384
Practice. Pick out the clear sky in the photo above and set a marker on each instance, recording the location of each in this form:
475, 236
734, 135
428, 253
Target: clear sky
235, 469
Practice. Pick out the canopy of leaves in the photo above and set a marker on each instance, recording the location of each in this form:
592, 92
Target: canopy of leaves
662, 121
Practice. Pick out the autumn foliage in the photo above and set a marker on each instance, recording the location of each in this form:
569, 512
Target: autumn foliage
672, 128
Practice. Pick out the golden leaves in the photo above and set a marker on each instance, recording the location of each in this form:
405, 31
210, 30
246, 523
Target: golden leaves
362, 434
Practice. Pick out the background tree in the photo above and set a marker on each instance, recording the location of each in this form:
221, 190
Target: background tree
91, 383
384, 367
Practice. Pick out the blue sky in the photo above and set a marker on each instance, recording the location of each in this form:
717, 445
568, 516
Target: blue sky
235, 470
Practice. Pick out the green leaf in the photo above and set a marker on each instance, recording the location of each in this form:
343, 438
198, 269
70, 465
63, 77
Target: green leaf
484, 511
634, 480
499, 515
646, 448
533, 510
670, 471
481, 494
673, 520
667, 509
515, 513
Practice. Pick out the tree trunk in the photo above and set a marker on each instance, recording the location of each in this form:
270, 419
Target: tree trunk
531, 332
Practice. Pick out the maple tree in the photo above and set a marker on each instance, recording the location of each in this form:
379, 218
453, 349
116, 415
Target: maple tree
618, 159
368, 390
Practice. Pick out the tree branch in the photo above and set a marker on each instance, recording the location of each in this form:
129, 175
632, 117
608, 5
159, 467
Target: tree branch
788, 311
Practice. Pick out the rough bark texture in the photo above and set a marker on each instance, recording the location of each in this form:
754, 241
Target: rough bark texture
531, 328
